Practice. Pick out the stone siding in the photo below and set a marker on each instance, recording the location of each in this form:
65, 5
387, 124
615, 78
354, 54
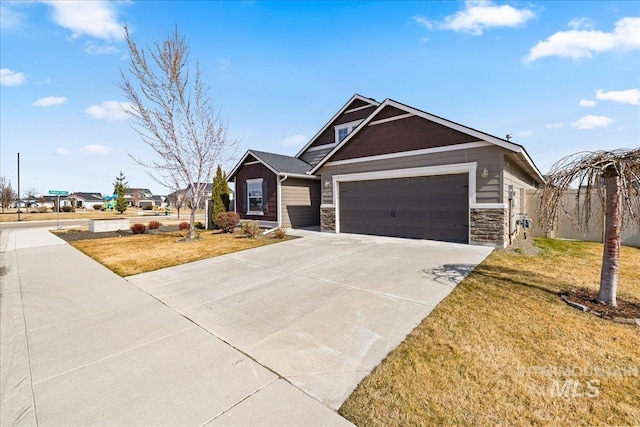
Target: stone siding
489, 227
328, 220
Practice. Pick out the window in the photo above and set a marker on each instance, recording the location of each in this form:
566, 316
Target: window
254, 196
345, 129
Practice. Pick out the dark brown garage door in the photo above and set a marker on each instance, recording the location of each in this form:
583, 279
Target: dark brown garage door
425, 207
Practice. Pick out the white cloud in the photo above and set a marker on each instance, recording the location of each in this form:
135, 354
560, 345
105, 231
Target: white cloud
97, 19
49, 101
110, 110
223, 64
587, 103
629, 96
525, 133
581, 24
478, 16
296, 139
94, 49
10, 17
555, 125
582, 43
95, 149
63, 152
592, 122
11, 78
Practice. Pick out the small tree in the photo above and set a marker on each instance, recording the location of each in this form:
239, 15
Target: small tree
120, 188
614, 176
30, 196
173, 113
7, 195
219, 193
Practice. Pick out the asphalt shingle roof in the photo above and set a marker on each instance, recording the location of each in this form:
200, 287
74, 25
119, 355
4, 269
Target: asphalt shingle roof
283, 164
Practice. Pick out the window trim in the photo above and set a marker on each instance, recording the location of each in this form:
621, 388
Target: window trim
350, 126
254, 181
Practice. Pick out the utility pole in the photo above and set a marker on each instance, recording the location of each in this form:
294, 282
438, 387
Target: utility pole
19, 187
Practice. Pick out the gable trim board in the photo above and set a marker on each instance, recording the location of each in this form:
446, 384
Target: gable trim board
439, 120
343, 110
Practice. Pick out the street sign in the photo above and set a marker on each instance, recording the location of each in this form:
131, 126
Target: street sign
58, 193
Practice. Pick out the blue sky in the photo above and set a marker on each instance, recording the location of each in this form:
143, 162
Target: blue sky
561, 77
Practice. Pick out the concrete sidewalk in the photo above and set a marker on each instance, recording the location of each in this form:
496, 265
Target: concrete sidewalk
79, 345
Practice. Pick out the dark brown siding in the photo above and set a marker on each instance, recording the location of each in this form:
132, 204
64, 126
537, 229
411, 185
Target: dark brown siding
328, 136
413, 133
257, 171
356, 103
389, 111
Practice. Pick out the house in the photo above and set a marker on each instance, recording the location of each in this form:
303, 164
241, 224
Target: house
138, 197
86, 200
385, 168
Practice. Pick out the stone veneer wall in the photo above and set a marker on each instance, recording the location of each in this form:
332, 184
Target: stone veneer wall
489, 227
328, 220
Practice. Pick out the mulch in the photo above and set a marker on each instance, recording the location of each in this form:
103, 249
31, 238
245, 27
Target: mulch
73, 235
625, 309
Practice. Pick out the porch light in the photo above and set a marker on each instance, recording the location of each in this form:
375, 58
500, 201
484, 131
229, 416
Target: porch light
485, 173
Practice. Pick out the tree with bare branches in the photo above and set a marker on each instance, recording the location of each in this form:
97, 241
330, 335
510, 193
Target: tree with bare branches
174, 115
7, 195
613, 177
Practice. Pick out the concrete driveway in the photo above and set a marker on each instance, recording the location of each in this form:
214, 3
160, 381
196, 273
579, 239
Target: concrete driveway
320, 311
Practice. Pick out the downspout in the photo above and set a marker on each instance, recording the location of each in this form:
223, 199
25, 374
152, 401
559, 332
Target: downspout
279, 195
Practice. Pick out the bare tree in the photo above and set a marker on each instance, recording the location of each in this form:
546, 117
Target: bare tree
136, 196
30, 196
613, 177
7, 195
174, 115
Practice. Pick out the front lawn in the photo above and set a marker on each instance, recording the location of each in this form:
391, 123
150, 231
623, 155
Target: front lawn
133, 254
499, 349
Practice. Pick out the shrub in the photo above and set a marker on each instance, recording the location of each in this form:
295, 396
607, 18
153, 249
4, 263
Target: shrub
138, 228
66, 208
199, 225
251, 228
280, 232
97, 206
227, 221
154, 225
33, 210
184, 226
147, 208
42, 209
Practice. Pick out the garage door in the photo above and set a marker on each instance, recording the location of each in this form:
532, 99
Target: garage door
425, 207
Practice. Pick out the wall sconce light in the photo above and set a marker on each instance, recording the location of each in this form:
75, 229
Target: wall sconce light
485, 173
327, 184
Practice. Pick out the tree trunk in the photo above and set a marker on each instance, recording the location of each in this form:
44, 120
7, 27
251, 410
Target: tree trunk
611, 255
192, 220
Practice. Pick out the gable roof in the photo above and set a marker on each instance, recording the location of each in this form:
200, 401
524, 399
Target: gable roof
410, 111
89, 196
278, 164
355, 97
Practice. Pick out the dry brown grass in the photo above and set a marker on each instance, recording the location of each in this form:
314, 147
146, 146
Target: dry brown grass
463, 364
10, 216
128, 255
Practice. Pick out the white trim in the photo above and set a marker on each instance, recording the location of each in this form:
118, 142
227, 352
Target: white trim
327, 206
254, 181
257, 213
235, 169
359, 108
252, 163
391, 119
296, 175
445, 148
342, 110
489, 206
458, 168
279, 199
322, 147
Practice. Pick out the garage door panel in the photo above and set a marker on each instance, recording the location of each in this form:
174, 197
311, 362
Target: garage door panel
427, 207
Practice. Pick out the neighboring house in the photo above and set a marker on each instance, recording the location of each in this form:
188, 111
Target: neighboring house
138, 197
392, 170
206, 193
87, 200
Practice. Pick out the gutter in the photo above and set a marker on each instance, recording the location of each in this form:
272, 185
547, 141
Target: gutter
279, 192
